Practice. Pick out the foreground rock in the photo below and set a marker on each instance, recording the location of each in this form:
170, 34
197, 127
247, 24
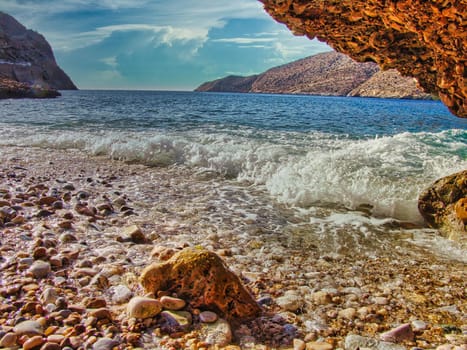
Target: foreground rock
444, 205
326, 74
201, 278
422, 39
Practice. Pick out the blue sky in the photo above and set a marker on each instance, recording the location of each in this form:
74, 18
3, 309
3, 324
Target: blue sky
159, 44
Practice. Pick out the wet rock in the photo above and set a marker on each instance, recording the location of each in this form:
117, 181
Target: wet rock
218, 333
171, 303
40, 269
135, 234
398, 334
29, 328
443, 204
143, 307
201, 278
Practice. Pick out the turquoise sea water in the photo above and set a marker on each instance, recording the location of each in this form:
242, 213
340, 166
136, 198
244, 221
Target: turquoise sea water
307, 153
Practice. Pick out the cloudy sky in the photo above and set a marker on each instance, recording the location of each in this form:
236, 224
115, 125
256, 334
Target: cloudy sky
159, 44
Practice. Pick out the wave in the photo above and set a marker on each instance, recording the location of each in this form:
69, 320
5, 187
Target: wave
385, 175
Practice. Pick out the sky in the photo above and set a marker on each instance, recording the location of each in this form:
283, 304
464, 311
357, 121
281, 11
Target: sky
160, 44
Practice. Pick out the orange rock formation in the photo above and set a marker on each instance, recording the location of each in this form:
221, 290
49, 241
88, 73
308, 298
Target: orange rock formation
423, 39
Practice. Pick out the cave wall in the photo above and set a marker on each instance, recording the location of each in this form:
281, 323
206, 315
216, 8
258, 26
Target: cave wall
423, 39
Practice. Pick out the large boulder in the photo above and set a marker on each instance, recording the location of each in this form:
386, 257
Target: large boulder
444, 205
201, 278
422, 39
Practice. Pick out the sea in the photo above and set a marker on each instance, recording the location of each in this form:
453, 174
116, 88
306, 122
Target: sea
342, 172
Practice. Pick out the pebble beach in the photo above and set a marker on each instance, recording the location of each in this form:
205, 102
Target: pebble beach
77, 230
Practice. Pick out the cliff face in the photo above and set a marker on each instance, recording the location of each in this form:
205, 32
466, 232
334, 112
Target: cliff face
328, 74
423, 39
26, 57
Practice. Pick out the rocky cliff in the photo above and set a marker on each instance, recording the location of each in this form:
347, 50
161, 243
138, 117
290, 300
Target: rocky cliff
423, 39
328, 74
26, 57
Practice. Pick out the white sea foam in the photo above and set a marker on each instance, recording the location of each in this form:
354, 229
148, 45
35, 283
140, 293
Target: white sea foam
385, 174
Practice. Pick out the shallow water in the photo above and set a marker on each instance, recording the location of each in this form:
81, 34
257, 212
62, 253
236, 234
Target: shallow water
341, 175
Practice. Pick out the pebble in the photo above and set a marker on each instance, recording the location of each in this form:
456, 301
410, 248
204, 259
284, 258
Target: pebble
33, 342
356, 342
218, 333
299, 344
398, 334
51, 346
208, 317
121, 294
319, 346
143, 307
101, 313
419, 326
8, 340
29, 328
105, 344
171, 303
290, 302
349, 313
40, 269
321, 298
180, 319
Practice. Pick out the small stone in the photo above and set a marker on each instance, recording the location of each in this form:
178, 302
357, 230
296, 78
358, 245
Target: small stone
29, 328
8, 340
208, 317
179, 319
18, 220
380, 300
318, 346
55, 338
40, 269
105, 344
68, 238
218, 333
66, 224
143, 307
419, 326
299, 344
321, 298
398, 334
356, 342
290, 302
121, 294
101, 313
135, 234
94, 303
33, 342
171, 303
51, 346
39, 253
349, 313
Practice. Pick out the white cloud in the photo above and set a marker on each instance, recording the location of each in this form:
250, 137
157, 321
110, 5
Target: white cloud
244, 41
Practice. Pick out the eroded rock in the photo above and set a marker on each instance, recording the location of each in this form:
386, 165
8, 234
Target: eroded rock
444, 203
422, 39
201, 278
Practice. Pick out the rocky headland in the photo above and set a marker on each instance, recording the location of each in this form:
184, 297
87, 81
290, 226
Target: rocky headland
325, 74
27, 63
422, 39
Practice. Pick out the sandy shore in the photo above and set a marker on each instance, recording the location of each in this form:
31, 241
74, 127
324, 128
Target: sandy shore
308, 294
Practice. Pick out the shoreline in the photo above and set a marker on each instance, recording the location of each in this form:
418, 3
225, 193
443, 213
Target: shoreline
338, 294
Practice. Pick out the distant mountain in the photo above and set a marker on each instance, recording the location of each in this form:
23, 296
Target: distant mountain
327, 74
27, 58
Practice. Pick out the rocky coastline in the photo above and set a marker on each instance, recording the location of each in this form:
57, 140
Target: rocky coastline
78, 235
13, 89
